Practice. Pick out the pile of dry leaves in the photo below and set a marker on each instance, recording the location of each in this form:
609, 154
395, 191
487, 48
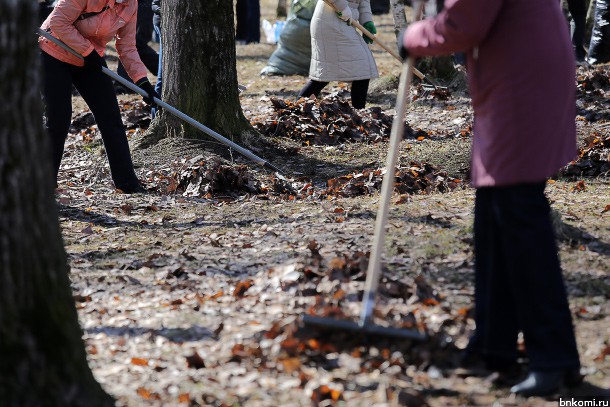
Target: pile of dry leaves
412, 179
326, 121
594, 81
593, 159
212, 179
205, 179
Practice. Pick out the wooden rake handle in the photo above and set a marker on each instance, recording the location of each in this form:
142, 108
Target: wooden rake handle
373, 272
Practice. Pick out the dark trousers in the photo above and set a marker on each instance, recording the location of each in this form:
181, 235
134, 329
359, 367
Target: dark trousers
144, 30
44, 9
599, 50
380, 6
97, 91
248, 15
358, 91
578, 11
518, 282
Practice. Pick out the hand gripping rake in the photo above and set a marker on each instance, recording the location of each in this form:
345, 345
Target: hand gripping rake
366, 324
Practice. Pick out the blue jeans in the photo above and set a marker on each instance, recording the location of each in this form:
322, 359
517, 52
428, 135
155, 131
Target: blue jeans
518, 282
159, 84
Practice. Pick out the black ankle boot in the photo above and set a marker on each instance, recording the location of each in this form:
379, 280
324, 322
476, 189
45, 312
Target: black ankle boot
545, 382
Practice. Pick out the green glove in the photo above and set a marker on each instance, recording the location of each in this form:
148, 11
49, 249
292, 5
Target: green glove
371, 28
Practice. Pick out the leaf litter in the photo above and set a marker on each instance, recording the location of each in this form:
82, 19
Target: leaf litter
192, 294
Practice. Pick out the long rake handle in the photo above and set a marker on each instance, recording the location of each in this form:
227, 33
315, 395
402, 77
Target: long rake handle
387, 187
247, 153
398, 127
373, 37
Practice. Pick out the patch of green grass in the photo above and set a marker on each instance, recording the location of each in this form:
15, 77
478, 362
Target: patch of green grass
431, 244
452, 155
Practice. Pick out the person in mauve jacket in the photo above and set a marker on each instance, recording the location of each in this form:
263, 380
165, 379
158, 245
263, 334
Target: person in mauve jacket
87, 26
338, 52
521, 69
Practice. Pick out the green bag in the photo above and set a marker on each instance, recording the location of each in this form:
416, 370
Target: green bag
293, 52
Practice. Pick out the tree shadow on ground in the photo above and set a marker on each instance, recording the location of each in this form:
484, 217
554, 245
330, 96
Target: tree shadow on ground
176, 335
108, 221
576, 237
254, 57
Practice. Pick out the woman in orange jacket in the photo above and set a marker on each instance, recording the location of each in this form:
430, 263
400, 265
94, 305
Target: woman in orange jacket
87, 26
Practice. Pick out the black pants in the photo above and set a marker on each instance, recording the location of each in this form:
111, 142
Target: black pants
44, 9
248, 15
578, 11
518, 282
599, 50
380, 6
97, 90
358, 92
144, 30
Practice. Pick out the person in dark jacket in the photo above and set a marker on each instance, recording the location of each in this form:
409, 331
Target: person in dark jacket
520, 68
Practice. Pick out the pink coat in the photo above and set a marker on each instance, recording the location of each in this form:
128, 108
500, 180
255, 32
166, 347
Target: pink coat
521, 75
93, 33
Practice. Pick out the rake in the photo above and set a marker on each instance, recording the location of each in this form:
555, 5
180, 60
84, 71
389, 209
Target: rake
365, 324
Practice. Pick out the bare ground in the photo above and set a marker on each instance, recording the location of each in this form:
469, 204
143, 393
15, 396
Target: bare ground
196, 299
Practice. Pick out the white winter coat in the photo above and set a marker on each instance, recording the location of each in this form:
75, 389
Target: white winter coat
338, 51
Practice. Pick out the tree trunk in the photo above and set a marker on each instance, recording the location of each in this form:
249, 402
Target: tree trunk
282, 8
199, 73
400, 16
42, 357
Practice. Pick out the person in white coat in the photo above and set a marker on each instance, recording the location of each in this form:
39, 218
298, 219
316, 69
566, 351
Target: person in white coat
338, 52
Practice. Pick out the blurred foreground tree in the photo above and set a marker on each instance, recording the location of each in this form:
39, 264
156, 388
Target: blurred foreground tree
42, 355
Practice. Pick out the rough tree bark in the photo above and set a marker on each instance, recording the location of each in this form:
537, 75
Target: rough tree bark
42, 356
400, 17
200, 73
